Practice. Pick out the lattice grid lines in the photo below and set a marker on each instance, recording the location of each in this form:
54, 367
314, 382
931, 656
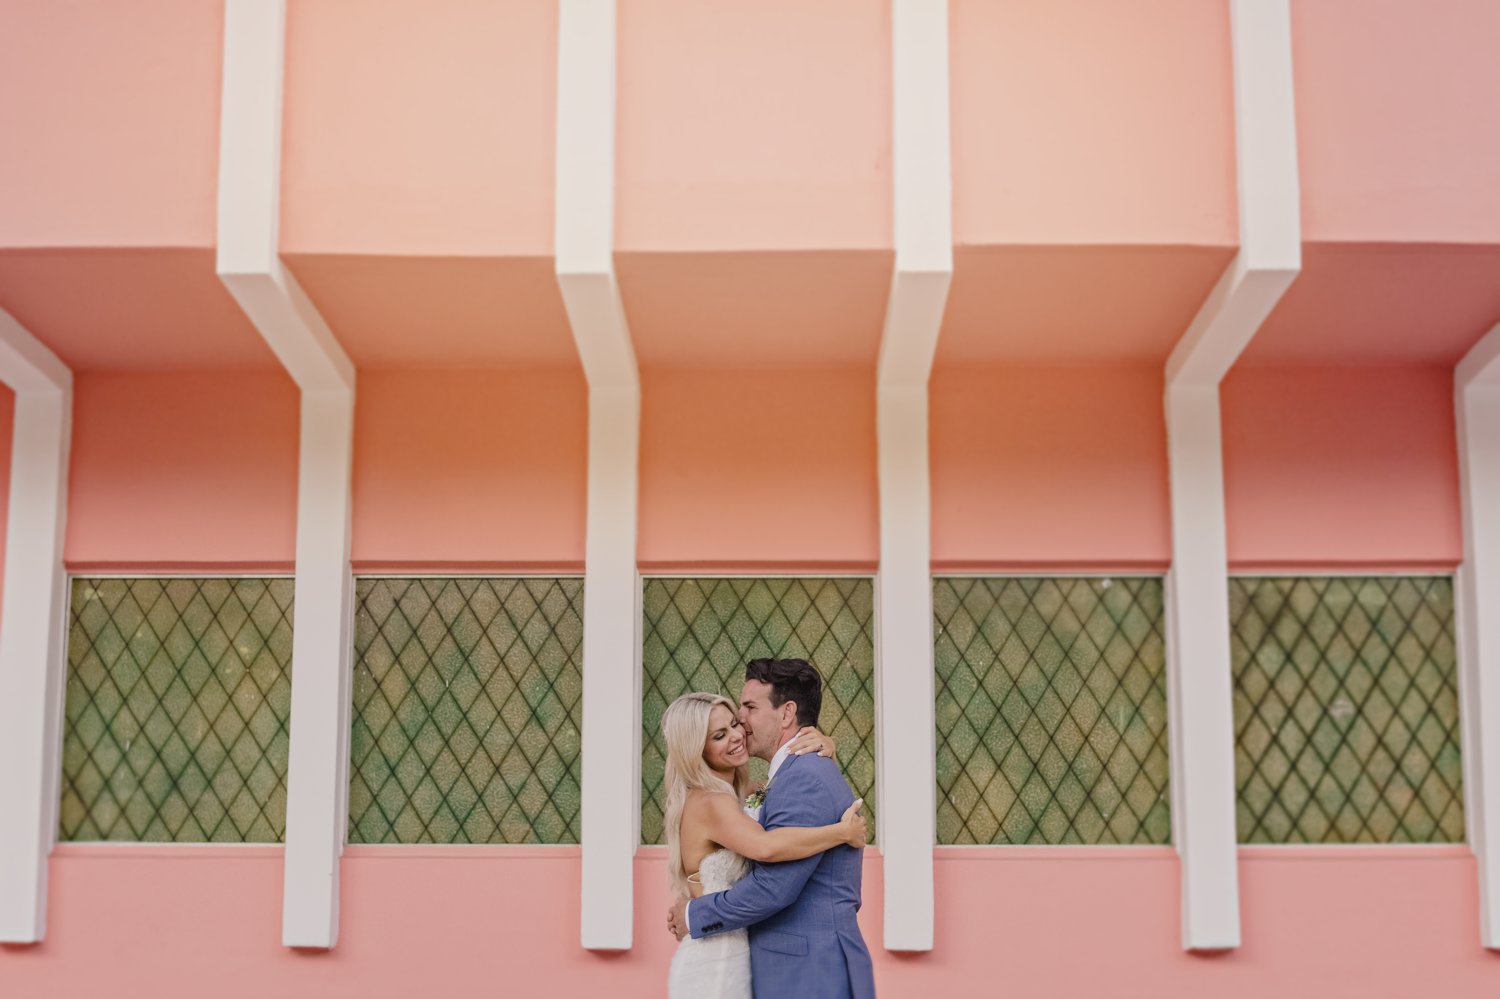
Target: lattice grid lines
1051, 711
178, 696
699, 633
467, 711
1346, 710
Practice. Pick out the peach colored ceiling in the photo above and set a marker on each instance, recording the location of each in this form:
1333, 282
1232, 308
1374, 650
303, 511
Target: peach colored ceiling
183, 469
110, 119
1076, 304
749, 126
1396, 120
1055, 467
1081, 121
755, 310
758, 469
417, 127
441, 312
1394, 304
132, 310
470, 468
1341, 466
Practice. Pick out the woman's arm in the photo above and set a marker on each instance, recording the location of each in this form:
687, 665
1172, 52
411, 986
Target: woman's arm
729, 826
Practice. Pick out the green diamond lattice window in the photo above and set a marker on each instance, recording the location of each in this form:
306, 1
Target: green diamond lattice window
1051, 711
1346, 710
699, 633
177, 701
467, 708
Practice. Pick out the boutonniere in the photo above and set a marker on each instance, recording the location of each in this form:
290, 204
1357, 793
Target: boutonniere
757, 798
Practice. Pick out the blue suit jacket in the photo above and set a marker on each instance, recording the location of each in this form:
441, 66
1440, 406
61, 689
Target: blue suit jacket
804, 940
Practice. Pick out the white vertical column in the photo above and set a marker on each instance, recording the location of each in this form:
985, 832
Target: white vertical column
1200, 694
1477, 398
249, 266
33, 627
906, 761
611, 600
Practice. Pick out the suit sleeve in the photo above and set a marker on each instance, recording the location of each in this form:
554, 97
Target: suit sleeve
769, 888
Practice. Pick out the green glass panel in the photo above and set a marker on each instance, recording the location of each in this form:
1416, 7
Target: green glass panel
1346, 710
1051, 711
467, 711
699, 633
178, 696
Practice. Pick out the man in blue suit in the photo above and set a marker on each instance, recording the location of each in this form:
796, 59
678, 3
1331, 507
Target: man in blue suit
804, 939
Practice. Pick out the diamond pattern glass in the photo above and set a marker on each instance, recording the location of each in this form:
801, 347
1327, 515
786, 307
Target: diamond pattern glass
467, 711
1051, 711
1346, 710
177, 701
699, 633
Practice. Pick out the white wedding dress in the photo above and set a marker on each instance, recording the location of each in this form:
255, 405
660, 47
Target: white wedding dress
716, 967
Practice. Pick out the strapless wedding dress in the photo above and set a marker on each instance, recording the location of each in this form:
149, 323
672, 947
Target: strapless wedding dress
716, 967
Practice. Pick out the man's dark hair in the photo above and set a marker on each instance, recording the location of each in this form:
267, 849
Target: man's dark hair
791, 680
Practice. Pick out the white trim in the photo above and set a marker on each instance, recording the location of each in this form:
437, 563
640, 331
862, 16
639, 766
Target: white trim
759, 575
584, 241
1201, 718
33, 641
467, 575
250, 267
180, 575
905, 737
1477, 607
1051, 574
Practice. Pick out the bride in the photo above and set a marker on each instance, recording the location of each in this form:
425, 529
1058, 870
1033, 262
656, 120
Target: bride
710, 838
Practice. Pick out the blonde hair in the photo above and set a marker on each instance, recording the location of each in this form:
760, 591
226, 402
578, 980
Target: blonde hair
684, 726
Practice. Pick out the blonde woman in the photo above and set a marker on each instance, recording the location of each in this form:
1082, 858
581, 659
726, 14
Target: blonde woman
710, 836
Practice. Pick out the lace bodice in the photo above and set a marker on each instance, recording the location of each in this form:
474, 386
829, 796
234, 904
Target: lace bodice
721, 869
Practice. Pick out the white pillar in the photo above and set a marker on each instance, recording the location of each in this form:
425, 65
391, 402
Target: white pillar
1198, 663
1477, 398
250, 267
584, 240
906, 766
33, 627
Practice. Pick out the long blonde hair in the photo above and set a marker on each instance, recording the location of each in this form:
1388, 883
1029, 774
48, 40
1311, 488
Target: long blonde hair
684, 726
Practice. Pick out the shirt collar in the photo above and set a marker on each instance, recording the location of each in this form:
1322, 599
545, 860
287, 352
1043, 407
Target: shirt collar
778, 760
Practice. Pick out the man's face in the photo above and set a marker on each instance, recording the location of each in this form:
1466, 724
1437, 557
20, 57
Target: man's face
761, 722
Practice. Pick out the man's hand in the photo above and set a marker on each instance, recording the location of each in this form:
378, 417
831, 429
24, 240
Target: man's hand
677, 918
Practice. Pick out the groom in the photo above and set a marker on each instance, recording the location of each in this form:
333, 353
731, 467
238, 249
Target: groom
804, 940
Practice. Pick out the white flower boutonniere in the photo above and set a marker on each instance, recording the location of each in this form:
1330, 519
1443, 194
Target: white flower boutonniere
757, 798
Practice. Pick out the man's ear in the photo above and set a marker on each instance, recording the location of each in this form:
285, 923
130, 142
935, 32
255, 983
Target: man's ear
786, 717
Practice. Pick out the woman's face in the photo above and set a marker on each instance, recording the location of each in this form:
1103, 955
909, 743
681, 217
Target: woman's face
725, 748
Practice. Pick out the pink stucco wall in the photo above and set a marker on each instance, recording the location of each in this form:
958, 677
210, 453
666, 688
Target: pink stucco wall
1326, 468
1052, 468
1393, 136
504, 921
182, 470
137, 162
470, 469
758, 470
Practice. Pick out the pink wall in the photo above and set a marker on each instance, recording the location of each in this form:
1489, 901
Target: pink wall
754, 126
183, 470
470, 469
1081, 121
1331, 467
419, 127
123, 149
1395, 106
144, 921
1048, 467
758, 469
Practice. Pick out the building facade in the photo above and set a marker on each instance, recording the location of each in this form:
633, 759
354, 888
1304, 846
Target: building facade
406, 400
